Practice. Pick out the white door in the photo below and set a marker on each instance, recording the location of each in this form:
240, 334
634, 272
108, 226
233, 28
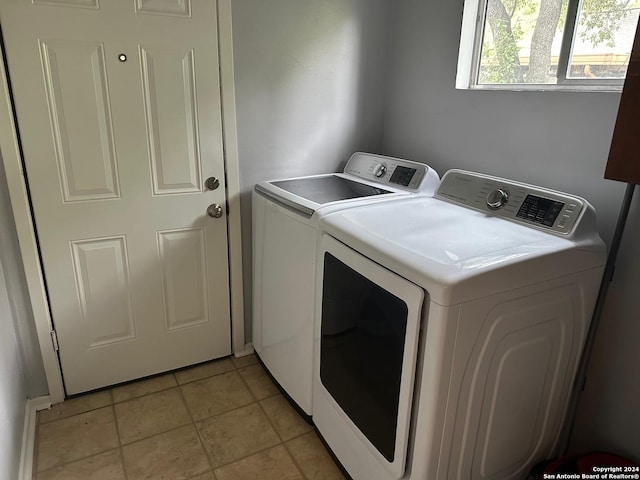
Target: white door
118, 107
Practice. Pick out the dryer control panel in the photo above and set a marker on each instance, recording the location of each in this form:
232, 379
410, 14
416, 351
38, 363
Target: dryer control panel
526, 204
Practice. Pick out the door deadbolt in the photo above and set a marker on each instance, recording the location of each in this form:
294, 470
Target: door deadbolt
211, 183
214, 210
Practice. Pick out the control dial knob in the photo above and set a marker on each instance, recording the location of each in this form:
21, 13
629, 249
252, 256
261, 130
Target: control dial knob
379, 170
497, 198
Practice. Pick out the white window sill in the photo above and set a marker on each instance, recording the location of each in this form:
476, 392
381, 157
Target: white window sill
545, 88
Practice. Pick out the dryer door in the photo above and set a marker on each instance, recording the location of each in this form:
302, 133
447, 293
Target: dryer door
369, 323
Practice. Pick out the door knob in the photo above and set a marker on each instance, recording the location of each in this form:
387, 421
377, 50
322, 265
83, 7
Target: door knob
214, 210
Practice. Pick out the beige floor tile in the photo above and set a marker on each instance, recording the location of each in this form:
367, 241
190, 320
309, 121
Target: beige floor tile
143, 387
82, 404
177, 455
204, 476
236, 434
259, 382
105, 466
287, 422
76, 437
146, 416
312, 457
205, 370
216, 395
272, 464
241, 362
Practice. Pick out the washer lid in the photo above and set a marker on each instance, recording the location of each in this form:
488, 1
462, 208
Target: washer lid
327, 189
457, 253
366, 177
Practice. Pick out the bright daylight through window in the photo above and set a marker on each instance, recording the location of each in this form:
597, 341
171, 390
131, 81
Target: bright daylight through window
521, 44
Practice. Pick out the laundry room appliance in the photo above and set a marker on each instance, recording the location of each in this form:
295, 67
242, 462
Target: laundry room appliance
285, 222
449, 328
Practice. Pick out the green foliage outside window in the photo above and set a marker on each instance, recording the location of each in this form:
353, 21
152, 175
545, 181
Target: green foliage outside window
522, 38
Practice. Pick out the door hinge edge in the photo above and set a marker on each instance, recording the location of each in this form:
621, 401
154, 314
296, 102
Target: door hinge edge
54, 340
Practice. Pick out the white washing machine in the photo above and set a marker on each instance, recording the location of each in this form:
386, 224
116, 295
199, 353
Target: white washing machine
449, 328
285, 234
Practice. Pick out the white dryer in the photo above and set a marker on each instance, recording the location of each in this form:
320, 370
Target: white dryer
285, 235
449, 328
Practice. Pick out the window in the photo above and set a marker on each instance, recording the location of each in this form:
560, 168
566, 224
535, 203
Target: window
546, 44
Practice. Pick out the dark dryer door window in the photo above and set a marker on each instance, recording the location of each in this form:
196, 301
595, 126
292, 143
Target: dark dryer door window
362, 346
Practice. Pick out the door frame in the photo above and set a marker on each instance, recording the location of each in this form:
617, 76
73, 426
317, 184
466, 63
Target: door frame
25, 228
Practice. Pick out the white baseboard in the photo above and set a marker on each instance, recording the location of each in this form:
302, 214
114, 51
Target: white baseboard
248, 350
29, 435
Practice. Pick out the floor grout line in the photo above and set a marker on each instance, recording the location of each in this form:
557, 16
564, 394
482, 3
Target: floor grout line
120, 451
145, 394
247, 456
192, 422
37, 441
195, 427
93, 409
256, 401
66, 464
282, 441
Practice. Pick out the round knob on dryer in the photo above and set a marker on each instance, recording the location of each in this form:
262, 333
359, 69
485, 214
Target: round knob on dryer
379, 170
497, 198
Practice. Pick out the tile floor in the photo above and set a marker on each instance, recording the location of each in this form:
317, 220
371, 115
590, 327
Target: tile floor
223, 420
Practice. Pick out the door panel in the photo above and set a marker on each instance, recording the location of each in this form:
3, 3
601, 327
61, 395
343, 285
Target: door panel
80, 111
69, 3
101, 265
181, 8
116, 153
184, 278
171, 111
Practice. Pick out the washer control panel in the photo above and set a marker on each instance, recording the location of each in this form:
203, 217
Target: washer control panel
519, 202
395, 172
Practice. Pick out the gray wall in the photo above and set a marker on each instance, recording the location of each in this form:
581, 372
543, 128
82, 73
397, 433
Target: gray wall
18, 295
559, 140
311, 89
13, 389
310, 80
609, 417
21, 371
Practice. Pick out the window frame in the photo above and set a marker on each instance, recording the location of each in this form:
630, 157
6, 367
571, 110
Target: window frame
472, 33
